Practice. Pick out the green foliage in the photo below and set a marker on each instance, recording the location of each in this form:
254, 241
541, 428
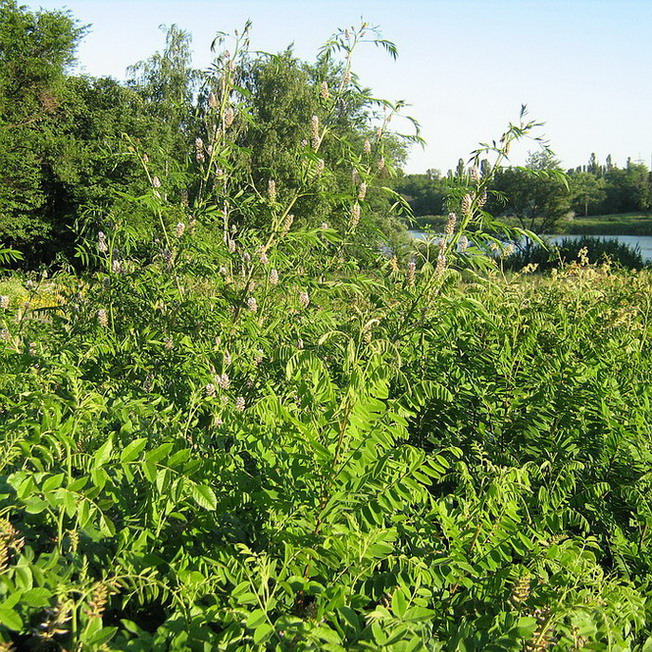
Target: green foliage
595, 250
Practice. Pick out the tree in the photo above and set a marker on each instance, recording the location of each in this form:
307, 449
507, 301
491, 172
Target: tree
587, 192
536, 196
36, 49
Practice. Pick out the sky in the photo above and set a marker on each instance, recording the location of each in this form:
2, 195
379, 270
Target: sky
465, 67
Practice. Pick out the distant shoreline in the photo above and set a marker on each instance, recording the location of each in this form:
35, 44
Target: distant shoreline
618, 224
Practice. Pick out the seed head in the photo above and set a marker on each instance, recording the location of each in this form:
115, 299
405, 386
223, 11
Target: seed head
180, 228
464, 244
450, 225
355, 215
362, 191
467, 205
264, 259
346, 79
475, 174
287, 224
98, 601
199, 150
271, 190
252, 304
314, 132
231, 245
482, 200
441, 264
393, 264
320, 166
229, 116
355, 176
156, 182
323, 91
410, 273
102, 245
273, 277
210, 390
223, 381
102, 318
381, 163
367, 146
212, 100
240, 404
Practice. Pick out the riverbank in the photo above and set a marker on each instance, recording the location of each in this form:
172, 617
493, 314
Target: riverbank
617, 224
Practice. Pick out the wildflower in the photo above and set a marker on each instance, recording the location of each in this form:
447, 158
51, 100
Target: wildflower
102, 245
323, 91
323, 225
441, 264
355, 176
212, 100
273, 277
252, 304
346, 79
99, 598
475, 174
379, 132
30, 285
4, 301
393, 264
227, 358
223, 270
482, 200
362, 191
229, 116
156, 182
355, 215
381, 163
467, 205
521, 590
314, 132
223, 381
300, 344
210, 390
271, 190
367, 146
231, 245
32, 348
287, 224
199, 150
102, 318
147, 384
450, 225
508, 250
320, 166
410, 273
304, 299
258, 357
304, 143
169, 344
145, 158
240, 403
464, 244
166, 255
264, 259
180, 228
246, 257
4, 335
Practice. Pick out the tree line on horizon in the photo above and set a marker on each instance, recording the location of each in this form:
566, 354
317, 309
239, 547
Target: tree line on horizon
537, 194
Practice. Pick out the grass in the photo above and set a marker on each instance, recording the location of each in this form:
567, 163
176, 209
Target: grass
618, 224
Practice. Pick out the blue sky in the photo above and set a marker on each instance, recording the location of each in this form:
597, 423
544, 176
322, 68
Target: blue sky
584, 67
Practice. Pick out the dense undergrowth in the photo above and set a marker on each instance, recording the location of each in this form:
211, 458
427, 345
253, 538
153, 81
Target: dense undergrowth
237, 438
348, 466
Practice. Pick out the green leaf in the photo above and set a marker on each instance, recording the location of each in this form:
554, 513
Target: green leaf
256, 617
204, 496
133, 450
103, 454
262, 633
9, 618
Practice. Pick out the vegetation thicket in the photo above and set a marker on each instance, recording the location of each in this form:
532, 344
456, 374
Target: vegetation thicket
247, 422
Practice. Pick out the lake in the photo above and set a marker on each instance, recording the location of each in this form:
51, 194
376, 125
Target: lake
644, 242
